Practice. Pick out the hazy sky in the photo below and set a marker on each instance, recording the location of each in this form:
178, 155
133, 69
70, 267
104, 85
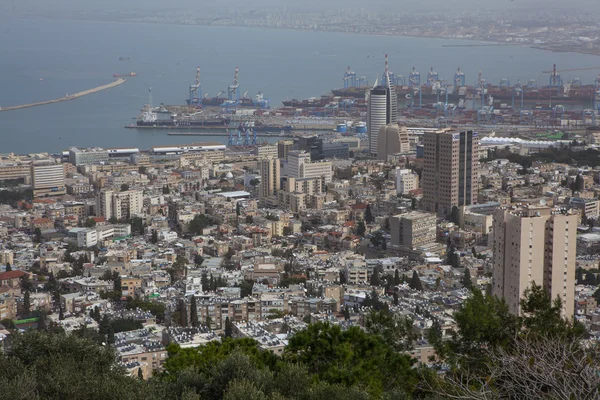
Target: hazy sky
376, 5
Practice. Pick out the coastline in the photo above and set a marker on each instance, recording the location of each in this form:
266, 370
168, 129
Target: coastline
381, 34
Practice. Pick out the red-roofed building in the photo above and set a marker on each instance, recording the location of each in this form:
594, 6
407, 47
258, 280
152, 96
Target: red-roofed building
11, 278
44, 224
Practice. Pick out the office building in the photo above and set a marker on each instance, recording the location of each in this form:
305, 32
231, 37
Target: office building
412, 230
407, 180
48, 180
89, 156
270, 176
392, 139
266, 151
300, 166
119, 205
321, 150
534, 244
284, 146
382, 109
450, 170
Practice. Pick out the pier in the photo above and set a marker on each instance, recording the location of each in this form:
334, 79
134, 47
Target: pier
73, 96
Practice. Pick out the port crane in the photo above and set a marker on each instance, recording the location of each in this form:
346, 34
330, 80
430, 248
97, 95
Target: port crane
234, 88
349, 78
196, 89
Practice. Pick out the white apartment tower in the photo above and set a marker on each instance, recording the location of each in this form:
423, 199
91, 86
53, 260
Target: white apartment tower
120, 205
382, 104
534, 244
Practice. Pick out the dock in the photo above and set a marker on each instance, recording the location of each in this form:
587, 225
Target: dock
73, 96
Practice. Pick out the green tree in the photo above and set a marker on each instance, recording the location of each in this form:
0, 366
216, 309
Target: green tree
8, 267
375, 279
415, 282
37, 235
90, 223
361, 228
199, 223
154, 237
396, 331
454, 215
41, 365
117, 287
26, 303
194, 312
124, 187
413, 203
466, 279
351, 357
369, 218
182, 310
397, 280
228, 328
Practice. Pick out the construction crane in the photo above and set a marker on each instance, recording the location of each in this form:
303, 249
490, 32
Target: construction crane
459, 79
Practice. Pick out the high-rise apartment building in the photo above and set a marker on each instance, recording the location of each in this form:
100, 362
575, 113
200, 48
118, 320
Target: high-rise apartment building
534, 244
412, 230
300, 166
382, 108
120, 205
284, 146
270, 176
48, 180
392, 139
450, 170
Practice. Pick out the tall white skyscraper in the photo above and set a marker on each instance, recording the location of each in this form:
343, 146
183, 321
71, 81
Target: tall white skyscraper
382, 108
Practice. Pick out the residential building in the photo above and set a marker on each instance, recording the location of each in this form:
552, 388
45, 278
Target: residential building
451, 170
407, 180
382, 110
300, 166
392, 139
534, 244
412, 230
120, 205
270, 174
48, 180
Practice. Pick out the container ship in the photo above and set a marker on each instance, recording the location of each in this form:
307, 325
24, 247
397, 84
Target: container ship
233, 99
435, 89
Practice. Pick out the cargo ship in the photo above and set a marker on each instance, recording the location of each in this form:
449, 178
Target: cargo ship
162, 117
124, 75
